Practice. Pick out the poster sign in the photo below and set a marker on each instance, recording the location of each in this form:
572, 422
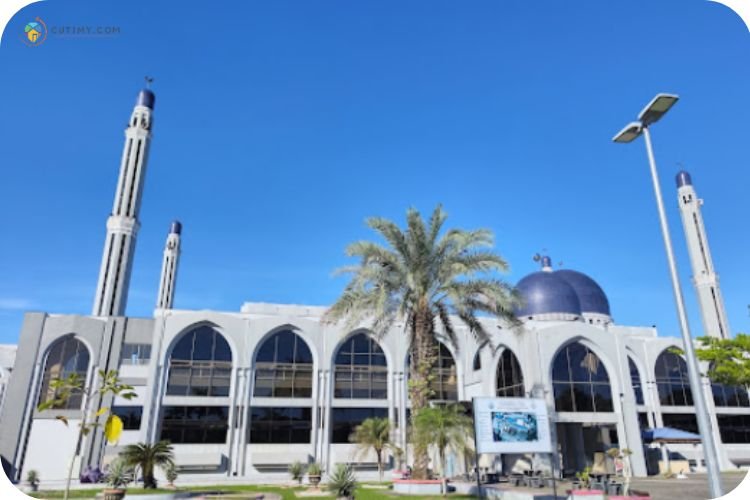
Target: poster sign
512, 425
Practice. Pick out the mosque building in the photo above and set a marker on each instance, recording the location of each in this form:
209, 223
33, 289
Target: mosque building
245, 393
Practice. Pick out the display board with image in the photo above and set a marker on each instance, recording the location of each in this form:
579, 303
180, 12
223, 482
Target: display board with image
512, 425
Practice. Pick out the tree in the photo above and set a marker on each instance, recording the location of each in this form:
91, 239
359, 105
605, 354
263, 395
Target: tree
729, 359
107, 383
447, 427
422, 277
373, 433
147, 457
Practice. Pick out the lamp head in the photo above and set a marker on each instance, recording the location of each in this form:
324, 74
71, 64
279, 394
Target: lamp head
657, 108
628, 134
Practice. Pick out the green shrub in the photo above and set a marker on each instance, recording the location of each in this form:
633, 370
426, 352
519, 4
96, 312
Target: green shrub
119, 474
297, 471
342, 481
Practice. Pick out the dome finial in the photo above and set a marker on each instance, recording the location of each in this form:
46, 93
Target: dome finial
545, 260
146, 96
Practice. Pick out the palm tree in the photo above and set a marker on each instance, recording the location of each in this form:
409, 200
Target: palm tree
373, 433
422, 277
147, 456
447, 427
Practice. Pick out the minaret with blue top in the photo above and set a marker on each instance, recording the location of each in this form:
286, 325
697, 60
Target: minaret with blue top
168, 281
122, 225
705, 279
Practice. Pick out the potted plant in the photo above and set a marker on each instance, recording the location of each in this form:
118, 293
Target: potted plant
313, 474
342, 482
297, 471
170, 472
118, 475
32, 477
582, 481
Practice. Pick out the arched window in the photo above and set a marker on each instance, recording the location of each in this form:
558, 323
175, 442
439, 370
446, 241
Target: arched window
477, 364
509, 377
283, 367
732, 396
635, 380
580, 381
361, 371
445, 383
200, 364
672, 380
66, 357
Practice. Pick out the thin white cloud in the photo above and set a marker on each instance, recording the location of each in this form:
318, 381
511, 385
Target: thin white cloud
16, 304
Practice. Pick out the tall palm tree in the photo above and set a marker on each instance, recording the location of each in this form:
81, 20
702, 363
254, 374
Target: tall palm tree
373, 433
423, 276
447, 427
147, 456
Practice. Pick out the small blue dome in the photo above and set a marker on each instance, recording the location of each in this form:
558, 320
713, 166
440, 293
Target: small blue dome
590, 294
683, 179
146, 98
545, 292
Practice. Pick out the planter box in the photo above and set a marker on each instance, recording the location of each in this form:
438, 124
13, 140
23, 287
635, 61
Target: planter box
417, 486
586, 494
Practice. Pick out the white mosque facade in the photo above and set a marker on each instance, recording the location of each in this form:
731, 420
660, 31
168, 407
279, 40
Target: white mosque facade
244, 394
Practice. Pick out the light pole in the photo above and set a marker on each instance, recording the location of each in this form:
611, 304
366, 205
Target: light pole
650, 115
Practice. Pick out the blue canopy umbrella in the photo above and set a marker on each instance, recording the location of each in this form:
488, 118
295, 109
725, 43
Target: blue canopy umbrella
666, 435
669, 435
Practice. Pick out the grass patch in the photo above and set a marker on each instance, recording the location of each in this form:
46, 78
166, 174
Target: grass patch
287, 493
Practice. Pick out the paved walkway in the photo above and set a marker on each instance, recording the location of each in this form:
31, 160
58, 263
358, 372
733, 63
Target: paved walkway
695, 487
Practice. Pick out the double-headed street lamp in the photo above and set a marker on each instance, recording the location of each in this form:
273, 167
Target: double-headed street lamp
657, 108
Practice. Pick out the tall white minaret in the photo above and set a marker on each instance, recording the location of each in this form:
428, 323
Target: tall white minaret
705, 279
168, 279
122, 226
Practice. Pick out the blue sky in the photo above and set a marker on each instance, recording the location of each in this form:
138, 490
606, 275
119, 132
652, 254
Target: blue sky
281, 125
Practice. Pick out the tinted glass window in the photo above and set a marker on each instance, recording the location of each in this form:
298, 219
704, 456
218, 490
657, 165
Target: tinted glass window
130, 416
345, 420
283, 367
477, 364
280, 425
734, 428
195, 424
66, 357
635, 380
580, 382
730, 395
361, 371
683, 421
672, 380
200, 365
509, 376
135, 354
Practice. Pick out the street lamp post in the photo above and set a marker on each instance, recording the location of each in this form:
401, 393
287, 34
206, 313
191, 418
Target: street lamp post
650, 115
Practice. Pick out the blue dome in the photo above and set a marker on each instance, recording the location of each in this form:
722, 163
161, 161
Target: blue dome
547, 293
590, 295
